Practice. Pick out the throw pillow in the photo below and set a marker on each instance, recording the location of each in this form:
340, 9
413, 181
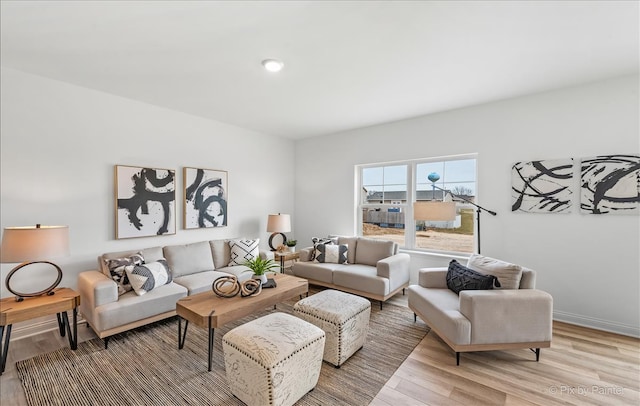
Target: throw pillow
147, 277
460, 278
117, 272
318, 242
243, 250
509, 274
333, 254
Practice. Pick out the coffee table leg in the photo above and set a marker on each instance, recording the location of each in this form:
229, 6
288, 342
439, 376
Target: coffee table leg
182, 336
211, 331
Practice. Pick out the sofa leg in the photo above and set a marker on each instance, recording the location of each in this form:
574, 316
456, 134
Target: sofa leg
457, 358
402, 291
381, 305
106, 342
415, 317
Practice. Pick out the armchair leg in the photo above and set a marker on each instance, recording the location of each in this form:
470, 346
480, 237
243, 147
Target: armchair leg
537, 352
415, 317
381, 305
106, 343
402, 291
457, 358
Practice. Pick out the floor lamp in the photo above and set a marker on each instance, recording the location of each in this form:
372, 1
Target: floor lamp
479, 209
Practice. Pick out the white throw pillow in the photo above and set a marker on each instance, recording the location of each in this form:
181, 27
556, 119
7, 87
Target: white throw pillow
332, 254
508, 275
144, 278
243, 250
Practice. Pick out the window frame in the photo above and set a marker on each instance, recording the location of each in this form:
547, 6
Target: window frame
407, 207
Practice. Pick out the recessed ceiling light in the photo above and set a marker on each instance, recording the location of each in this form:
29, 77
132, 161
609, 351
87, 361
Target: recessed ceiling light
272, 65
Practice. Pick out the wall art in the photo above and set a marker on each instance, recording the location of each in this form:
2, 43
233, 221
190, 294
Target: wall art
205, 198
610, 184
542, 186
145, 201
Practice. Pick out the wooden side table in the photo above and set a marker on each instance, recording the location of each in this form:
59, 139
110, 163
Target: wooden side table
59, 303
285, 256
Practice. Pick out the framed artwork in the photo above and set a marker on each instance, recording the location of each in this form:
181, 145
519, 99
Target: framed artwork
145, 201
610, 184
542, 186
205, 198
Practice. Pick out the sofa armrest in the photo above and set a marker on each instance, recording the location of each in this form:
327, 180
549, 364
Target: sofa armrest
395, 268
508, 315
96, 289
305, 254
433, 277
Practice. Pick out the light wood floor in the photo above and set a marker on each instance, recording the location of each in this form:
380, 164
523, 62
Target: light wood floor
582, 367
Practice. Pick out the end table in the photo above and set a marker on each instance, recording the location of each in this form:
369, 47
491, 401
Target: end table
32, 307
285, 256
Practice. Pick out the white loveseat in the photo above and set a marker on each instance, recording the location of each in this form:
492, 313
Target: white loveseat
374, 269
193, 268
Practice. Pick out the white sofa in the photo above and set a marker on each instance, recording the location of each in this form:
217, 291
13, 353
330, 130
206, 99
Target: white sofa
374, 269
515, 316
194, 267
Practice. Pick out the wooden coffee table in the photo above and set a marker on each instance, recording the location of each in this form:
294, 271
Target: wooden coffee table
209, 311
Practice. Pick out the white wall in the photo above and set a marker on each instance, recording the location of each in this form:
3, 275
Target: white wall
59, 145
590, 264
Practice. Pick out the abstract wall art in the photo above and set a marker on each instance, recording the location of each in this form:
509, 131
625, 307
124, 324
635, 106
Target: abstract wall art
145, 201
542, 186
610, 184
205, 198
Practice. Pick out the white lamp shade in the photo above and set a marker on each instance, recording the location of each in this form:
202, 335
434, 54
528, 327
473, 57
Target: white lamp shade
434, 211
279, 223
25, 244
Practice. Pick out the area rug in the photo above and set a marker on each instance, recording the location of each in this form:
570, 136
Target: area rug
145, 367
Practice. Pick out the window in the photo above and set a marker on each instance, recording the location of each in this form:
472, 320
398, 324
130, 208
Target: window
387, 193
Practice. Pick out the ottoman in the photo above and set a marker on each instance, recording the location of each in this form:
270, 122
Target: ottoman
343, 317
273, 360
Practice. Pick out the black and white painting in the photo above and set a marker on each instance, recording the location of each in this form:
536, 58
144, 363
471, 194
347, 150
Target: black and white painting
542, 186
610, 184
205, 201
145, 201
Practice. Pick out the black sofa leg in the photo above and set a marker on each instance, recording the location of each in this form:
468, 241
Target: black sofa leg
415, 317
381, 305
457, 358
402, 291
106, 342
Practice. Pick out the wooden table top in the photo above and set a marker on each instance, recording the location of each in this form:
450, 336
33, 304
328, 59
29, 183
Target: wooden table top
198, 308
31, 307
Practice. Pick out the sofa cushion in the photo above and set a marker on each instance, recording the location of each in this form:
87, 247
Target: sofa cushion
461, 278
190, 258
221, 253
329, 253
199, 282
314, 270
145, 278
508, 274
116, 267
352, 247
243, 250
370, 251
361, 277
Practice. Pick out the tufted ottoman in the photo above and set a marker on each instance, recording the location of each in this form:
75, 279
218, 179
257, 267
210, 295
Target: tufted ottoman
343, 317
273, 360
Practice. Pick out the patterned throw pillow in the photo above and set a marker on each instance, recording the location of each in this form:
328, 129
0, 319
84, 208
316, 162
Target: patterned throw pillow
318, 242
145, 278
116, 268
459, 278
333, 254
243, 250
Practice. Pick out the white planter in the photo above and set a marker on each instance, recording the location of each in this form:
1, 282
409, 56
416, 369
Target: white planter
262, 278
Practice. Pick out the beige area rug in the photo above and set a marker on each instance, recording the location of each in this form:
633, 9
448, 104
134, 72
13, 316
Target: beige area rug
145, 367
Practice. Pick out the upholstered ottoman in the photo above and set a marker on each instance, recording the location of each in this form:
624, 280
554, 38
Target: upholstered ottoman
273, 360
343, 317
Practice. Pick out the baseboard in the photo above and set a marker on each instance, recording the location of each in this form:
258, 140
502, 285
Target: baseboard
39, 327
598, 324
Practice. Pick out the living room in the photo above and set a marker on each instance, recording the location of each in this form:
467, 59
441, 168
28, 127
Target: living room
63, 129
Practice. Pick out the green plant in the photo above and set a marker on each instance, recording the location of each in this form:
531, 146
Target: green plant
259, 266
291, 243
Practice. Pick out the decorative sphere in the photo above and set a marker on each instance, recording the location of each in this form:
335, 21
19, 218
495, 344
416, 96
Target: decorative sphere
433, 177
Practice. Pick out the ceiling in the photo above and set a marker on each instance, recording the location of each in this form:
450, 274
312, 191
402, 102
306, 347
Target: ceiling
348, 64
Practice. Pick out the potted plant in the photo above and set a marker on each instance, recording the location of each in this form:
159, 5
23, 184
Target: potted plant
260, 266
292, 245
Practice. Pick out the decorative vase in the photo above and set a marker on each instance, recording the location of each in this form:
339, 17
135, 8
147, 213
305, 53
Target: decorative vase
291, 249
262, 278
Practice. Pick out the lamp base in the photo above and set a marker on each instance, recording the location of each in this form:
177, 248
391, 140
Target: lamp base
284, 240
48, 291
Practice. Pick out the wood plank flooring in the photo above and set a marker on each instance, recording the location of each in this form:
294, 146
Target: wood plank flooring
582, 367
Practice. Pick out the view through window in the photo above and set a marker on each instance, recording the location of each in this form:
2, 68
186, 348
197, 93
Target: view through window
388, 191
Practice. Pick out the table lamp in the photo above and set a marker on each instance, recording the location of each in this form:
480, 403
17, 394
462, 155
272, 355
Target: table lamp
32, 245
278, 224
